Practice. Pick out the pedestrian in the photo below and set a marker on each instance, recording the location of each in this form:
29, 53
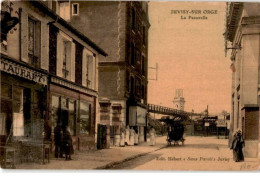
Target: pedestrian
122, 138
152, 136
58, 141
136, 136
237, 145
127, 135
132, 136
68, 147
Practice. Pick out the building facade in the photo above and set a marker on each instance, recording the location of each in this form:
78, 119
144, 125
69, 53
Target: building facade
121, 28
243, 31
44, 63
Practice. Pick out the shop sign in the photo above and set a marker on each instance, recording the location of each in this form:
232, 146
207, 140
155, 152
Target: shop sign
221, 123
21, 71
137, 116
206, 124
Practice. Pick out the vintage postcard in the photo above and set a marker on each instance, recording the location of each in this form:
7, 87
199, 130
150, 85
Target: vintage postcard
130, 85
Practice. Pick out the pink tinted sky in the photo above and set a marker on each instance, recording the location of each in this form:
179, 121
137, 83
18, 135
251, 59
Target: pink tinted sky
190, 55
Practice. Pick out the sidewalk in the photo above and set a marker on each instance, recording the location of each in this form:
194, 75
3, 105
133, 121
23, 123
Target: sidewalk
99, 159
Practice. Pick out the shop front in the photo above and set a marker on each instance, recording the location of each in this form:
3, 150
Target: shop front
73, 106
23, 110
137, 120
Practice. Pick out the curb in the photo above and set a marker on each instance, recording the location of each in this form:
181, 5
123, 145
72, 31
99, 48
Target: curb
113, 164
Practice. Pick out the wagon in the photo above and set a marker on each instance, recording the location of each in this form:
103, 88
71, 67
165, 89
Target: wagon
175, 129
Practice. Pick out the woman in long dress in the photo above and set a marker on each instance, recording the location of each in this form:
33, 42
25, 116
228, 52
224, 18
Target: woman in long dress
237, 144
152, 137
127, 135
132, 137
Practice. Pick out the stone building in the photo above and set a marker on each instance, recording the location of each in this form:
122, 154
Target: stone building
243, 31
121, 28
44, 63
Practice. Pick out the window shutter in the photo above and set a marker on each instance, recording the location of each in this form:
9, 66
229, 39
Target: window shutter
24, 37
72, 57
59, 55
84, 67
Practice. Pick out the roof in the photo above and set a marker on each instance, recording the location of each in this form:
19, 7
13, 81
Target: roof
233, 17
60, 20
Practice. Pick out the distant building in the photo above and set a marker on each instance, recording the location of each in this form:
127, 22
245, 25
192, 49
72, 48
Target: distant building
243, 31
179, 102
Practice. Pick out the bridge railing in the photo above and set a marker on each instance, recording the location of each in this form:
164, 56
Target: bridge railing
169, 111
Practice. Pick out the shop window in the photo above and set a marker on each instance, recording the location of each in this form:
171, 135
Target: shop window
72, 116
84, 117
6, 91
75, 9
55, 101
34, 40
18, 116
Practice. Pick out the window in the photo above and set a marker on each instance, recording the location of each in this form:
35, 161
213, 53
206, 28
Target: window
132, 54
55, 101
138, 87
143, 66
127, 80
133, 19
132, 84
75, 9
85, 117
72, 116
66, 59
18, 116
144, 35
89, 71
64, 10
34, 37
143, 91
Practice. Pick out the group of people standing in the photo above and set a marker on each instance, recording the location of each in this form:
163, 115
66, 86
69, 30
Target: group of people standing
63, 142
130, 136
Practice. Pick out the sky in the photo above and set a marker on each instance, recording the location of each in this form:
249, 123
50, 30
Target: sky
190, 56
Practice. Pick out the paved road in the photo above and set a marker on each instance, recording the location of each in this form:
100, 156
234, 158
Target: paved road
198, 153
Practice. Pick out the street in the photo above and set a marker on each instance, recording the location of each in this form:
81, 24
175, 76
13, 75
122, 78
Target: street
198, 153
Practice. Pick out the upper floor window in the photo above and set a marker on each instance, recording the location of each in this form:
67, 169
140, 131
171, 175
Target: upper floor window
143, 66
132, 54
144, 36
66, 59
88, 69
34, 41
64, 10
133, 19
75, 9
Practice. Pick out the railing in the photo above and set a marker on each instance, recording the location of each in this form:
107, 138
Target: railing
169, 111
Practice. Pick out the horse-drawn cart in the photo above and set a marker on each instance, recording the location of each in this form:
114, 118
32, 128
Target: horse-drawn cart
175, 129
